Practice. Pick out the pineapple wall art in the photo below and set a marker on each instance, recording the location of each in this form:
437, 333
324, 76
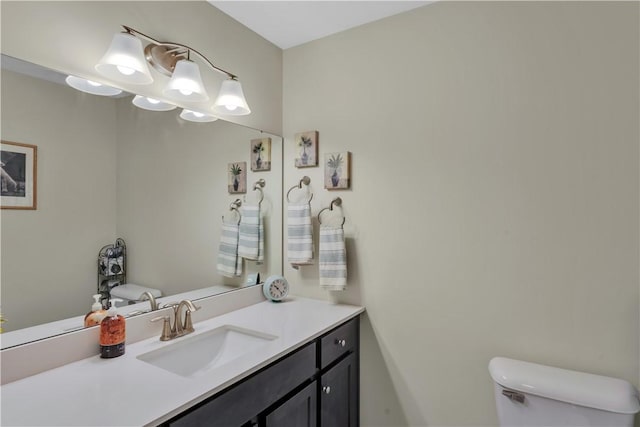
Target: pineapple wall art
237, 181
336, 170
261, 154
307, 149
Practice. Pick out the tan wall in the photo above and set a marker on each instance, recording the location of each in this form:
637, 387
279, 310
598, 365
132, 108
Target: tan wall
47, 272
494, 205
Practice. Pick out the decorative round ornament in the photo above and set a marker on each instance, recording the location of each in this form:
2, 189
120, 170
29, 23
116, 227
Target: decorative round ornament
275, 288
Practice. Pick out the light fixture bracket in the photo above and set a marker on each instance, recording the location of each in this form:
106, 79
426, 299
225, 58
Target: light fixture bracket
163, 57
171, 46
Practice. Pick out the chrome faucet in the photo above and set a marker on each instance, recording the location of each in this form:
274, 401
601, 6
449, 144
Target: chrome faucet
151, 298
179, 328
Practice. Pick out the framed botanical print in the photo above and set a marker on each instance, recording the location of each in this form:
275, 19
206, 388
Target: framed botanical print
237, 182
261, 154
307, 146
18, 181
337, 170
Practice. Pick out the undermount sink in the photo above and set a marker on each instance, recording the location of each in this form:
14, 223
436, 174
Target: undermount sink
198, 354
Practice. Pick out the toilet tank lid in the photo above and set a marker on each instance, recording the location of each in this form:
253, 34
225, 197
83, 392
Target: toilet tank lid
578, 388
132, 292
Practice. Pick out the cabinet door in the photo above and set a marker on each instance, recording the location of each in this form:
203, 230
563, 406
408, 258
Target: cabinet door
339, 394
298, 411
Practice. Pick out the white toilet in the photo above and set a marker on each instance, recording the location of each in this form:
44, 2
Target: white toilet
528, 394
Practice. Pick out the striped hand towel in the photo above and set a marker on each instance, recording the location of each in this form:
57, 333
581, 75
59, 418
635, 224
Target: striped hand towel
300, 240
333, 258
251, 244
229, 263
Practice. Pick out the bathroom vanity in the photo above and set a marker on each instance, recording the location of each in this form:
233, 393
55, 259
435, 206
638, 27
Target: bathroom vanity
316, 382
290, 363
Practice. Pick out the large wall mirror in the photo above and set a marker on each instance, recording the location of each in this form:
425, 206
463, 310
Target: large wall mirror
107, 170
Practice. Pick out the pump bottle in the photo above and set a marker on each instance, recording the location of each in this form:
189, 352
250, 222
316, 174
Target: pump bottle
97, 313
112, 333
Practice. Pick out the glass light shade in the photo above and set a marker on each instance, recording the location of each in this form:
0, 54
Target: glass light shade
152, 104
91, 87
186, 83
231, 100
194, 116
125, 61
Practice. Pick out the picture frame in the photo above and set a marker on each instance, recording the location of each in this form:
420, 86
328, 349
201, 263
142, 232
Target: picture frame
19, 173
307, 149
337, 171
237, 177
261, 154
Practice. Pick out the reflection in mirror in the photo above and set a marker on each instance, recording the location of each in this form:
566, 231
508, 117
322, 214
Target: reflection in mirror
107, 170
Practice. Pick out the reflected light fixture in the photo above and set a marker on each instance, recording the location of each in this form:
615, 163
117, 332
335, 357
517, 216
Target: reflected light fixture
194, 116
152, 104
91, 87
126, 61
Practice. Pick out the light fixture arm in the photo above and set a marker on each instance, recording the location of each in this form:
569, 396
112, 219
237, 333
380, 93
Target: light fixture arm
175, 47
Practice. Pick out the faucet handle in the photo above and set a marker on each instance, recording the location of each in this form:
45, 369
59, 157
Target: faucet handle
166, 327
188, 324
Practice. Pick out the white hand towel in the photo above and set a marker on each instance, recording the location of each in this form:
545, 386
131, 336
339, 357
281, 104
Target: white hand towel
251, 245
300, 237
229, 263
333, 258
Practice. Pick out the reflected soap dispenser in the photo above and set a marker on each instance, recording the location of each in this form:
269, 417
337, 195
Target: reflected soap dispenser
97, 313
112, 333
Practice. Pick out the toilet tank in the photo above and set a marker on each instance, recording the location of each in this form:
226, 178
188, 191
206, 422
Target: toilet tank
528, 394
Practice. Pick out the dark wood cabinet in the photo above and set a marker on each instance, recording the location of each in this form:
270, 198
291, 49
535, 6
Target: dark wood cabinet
314, 386
339, 394
300, 410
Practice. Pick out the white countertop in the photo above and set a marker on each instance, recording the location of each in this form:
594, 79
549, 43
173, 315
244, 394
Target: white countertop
125, 391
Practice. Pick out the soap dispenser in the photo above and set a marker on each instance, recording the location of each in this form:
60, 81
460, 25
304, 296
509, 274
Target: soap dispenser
112, 333
97, 313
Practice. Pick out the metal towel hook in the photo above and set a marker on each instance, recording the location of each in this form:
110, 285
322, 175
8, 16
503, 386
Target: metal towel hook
337, 202
259, 185
306, 181
235, 206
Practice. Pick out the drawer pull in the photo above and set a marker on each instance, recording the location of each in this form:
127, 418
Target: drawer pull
341, 343
326, 389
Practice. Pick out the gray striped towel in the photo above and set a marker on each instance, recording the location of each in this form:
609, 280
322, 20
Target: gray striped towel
333, 258
251, 244
300, 237
229, 263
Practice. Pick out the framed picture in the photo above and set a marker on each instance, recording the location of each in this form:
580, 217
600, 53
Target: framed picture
19, 175
237, 177
337, 171
261, 154
307, 149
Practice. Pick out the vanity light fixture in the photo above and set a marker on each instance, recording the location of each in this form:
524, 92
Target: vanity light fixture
152, 104
231, 99
186, 83
195, 116
126, 61
91, 87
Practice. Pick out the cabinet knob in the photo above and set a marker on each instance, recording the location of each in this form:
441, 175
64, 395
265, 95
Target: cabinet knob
341, 343
326, 389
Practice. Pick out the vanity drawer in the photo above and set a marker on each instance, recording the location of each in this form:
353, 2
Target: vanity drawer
340, 341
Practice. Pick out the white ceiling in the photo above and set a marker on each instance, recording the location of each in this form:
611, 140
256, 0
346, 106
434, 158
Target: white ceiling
290, 23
